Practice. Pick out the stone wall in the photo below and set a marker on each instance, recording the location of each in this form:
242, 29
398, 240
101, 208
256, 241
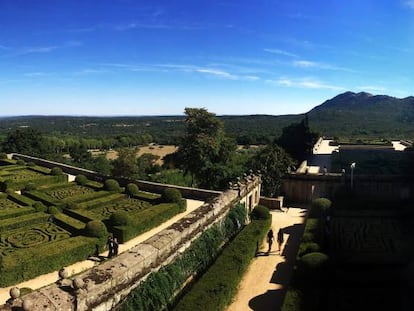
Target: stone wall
303, 188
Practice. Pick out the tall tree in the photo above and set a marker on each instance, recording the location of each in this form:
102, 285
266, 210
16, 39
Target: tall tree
126, 163
298, 140
273, 162
205, 151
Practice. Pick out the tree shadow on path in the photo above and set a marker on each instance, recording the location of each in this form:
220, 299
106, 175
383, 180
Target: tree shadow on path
272, 300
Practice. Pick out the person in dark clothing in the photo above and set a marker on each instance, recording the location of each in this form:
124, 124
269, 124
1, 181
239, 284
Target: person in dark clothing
280, 239
110, 244
270, 238
115, 246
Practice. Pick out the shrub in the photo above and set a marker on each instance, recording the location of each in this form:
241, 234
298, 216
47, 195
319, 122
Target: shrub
119, 218
132, 189
53, 210
20, 162
260, 212
31, 164
30, 186
81, 179
96, 229
171, 195
308, 247
320, 207
293, 300
3, 155
313, 267
111, 185
39, 207
56, 171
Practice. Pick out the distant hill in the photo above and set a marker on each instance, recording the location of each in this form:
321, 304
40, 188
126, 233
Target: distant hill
364, 115
348, 115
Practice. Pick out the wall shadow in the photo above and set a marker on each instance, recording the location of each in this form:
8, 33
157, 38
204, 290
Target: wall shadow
272, 300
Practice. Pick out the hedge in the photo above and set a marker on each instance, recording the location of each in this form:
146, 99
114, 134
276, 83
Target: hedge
111, 197
69, 223
39, 169
22, 221
85, 197
217, 287
20, 199
43, 180
145, 220
159, 289
147, 196
25, 264
15, 212
293, 300
40, 196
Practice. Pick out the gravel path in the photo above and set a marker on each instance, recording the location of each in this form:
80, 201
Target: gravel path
264, 284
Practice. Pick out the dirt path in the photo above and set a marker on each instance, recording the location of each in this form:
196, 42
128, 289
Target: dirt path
78, 267
264, 285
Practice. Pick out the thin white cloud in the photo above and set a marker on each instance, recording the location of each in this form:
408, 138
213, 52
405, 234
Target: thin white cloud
89, 71
204, 70
39, 49
305, 83
409, 3
310, 64
280, 52
133, 25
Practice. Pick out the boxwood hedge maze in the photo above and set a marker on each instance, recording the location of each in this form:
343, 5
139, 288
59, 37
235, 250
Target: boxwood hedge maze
43, 219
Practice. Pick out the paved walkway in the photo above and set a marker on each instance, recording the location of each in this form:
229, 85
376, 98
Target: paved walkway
78, 267
264, 285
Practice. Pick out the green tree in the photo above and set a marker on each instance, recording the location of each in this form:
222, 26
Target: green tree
298, 140
26, 141
80, 154
205, 151
273, 162
126, 163
102, 165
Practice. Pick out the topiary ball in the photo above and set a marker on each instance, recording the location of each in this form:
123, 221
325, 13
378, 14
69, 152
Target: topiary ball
132, 189
96, 229
320, 207
111, 185
39, 207
171, 195
313, 266
119, 218
30, 186
53, 210
81, 179
56, 171
260, 212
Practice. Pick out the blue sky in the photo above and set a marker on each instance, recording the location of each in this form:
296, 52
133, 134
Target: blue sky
120, 57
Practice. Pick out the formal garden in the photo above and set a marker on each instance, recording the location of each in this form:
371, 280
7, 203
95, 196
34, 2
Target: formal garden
47, 223
353, 258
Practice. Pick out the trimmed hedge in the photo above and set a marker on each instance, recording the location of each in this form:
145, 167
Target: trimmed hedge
43, 180
260, 212
22, 221
293, 300
69, 223
56, 171
145, 220
158, 290
217, 287
119, 218
112, 185
147, 196
81, 180
111, 197
40, 196
96, 229
15, 212
39, 169
320, 207
25, 264
20, 199
131, 189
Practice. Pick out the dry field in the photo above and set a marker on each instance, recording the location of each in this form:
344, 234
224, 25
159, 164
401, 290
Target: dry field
159, 150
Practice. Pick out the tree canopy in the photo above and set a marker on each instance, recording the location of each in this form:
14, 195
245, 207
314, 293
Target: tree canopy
205, 151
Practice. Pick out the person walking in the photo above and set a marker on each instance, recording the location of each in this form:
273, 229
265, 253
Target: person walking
115, 246
110, 244
280, 239
270, 238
